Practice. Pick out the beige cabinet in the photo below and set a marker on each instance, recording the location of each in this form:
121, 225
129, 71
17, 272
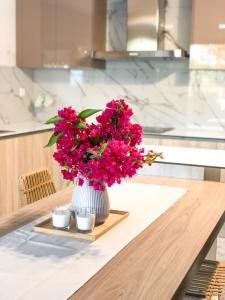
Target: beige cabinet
208, 35
60, 33
20, 155
208, 22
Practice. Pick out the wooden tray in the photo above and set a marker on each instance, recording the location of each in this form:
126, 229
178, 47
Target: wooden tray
115, 216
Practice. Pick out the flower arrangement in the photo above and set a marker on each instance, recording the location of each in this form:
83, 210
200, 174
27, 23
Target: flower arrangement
103, 152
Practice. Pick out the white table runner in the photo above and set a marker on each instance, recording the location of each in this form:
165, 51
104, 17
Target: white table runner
38, 266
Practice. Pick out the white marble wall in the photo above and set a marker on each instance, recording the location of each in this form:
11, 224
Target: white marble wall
161, 92
20, 98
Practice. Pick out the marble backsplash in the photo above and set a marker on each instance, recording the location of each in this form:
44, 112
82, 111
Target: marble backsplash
161, 93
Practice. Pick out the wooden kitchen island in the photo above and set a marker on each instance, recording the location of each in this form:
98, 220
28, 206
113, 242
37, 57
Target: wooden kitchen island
160, 261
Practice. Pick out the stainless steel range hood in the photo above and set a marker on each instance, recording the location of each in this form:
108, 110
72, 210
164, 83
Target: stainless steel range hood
142, 34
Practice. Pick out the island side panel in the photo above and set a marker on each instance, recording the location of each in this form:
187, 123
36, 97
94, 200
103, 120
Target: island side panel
190, 143
19, 155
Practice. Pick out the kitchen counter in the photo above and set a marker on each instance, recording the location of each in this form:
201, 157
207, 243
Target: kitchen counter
189, 156
22, 129
183, 134
189, 134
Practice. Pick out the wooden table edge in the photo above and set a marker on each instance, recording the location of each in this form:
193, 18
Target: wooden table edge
198, 261
43, 206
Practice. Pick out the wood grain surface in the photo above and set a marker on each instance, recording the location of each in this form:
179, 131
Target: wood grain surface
19, 155
154, 264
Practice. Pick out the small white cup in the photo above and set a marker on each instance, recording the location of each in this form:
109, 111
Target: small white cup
85, 220
61, 217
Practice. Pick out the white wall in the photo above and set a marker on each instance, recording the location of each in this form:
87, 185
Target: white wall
7, 33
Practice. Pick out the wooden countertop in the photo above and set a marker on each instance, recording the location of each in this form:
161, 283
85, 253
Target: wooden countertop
157, 263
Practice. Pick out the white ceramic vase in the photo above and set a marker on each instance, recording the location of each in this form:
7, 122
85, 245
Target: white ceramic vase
86, 196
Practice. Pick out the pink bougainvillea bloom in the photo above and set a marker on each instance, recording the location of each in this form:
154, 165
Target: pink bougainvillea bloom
103, 152
80, 181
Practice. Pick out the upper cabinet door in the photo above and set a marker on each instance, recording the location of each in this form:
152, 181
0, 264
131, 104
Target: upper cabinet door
60, 33
35, 33
208, 22
207, 50
73, 35
48, 33
80, 29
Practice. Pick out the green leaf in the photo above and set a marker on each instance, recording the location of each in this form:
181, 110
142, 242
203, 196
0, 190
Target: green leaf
95, 140
88, 112
68, 183
53, 120
102, 148
80, 125
92, 154
53, 139
114, 121
74, 147
65, 168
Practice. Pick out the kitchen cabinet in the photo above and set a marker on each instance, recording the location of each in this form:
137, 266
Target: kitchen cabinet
60, 33
208, 35
208, 22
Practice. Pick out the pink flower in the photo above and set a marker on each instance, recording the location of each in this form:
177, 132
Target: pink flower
104, 152
80, 181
